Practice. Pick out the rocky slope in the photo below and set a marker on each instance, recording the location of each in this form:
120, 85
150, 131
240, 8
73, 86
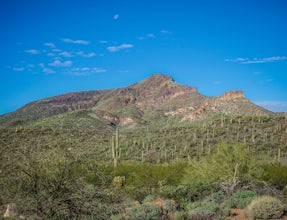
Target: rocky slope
155, 97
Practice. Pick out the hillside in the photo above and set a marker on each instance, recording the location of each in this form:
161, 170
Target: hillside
155, 98
152, 150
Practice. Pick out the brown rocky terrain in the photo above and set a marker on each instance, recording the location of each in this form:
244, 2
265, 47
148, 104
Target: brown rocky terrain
156, 96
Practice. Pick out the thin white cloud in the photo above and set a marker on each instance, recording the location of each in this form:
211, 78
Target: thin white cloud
120, 47
65, 54
18, 69
48, 71
116, 16
147, 36
165, 32
103, 42
56, 50
150, 35
30, 65
86, 55
85, 71
33, 51
51, 45
82, 42
51, 54
92, 54
257, 60
99, 70
275, 106
42, 65
58, 63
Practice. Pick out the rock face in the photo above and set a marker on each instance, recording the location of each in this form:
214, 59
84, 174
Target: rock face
154, 97
232, 95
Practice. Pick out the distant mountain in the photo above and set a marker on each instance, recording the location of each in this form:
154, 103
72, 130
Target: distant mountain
155, 98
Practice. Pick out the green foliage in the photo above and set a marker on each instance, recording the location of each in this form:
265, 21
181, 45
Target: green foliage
150, 209
265, 207
57, 167
230, 163
119, 181
142, 179
48, 183
241, 199
209, 208
275, 174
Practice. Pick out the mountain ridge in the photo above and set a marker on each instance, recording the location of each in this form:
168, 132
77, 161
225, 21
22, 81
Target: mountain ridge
158, 96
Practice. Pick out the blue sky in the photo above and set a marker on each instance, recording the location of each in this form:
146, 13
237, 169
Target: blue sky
50, 47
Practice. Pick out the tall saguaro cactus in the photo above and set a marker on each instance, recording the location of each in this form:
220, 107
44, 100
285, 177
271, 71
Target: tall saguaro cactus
116, 153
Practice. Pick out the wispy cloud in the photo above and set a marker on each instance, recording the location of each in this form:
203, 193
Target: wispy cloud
33, 51
51, 45
58, 63
165, 32
116, 16
48, 71
56, 50
65, 54
150, 35
119, 47
30, 65
257, 60
51, 54
68, 40
85, 55
18, 69
85, 71
275, 106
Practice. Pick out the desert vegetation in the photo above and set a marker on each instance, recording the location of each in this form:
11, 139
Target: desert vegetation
167, 170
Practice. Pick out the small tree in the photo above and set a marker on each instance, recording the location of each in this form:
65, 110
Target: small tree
228, 167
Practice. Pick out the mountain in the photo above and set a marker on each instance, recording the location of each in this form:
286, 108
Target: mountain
155, 98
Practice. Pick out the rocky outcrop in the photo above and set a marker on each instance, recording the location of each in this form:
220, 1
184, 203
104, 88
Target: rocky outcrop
231, 95
147, 100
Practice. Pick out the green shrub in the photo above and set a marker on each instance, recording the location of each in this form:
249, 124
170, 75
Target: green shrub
203, 210
241, 198
144, 211
228, 163
119, 181
180, 215
150, 209
275, 174
285, 191
265, 207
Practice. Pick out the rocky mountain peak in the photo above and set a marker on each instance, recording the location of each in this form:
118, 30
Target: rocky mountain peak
160, 77
154, 98
234, 94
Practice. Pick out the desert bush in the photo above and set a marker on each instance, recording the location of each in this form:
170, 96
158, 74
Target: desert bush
275, 174
142, 179
150, 208
119, 181
241, 198
180, 215
180, 193
203, 210
209, 208
265, 207
229, 167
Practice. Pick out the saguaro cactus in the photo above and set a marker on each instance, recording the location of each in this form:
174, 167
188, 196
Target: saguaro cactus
116, 152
